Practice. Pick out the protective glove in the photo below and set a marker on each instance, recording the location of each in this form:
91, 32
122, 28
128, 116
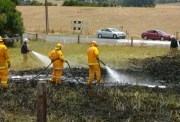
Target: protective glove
52, 61
97, 58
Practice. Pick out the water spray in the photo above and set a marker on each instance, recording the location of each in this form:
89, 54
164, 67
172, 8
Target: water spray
32, 57
44, 59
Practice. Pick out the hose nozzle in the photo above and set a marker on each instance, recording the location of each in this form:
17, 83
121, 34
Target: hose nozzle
101, 61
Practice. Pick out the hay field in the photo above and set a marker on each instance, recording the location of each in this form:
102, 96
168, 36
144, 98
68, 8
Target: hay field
133, 20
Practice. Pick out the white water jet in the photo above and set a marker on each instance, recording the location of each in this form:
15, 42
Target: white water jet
120, 78
44, 59
116, 77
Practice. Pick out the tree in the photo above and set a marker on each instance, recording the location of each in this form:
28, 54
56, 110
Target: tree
138, 3
11, 22
15, 1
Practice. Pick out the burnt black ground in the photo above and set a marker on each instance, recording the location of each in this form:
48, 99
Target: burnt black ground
161, 68
78, 102
166, 68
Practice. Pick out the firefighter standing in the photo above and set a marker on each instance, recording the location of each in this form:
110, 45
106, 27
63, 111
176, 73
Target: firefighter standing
56, 56
94, 67
174, 44
4, 64
25, 50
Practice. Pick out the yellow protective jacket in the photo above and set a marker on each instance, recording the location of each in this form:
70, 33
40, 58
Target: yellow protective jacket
58, 58
92, 54
4, 56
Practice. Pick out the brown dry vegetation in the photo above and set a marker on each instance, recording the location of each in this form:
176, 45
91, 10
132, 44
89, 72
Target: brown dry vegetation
134, 20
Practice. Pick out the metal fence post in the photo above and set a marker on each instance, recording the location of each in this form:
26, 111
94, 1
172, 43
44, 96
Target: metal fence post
41, 101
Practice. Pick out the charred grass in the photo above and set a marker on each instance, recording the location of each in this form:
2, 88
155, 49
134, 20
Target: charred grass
75, 102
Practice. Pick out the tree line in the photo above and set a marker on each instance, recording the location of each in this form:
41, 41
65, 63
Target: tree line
124, 3
100, 3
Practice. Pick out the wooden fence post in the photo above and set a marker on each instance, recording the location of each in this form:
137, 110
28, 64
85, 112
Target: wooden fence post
41, 101
131, 41
36, 36
177, 35
78, 38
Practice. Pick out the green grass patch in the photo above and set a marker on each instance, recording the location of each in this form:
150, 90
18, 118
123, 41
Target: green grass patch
115, 56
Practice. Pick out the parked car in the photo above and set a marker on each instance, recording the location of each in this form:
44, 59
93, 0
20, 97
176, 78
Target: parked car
110, 33
156, 35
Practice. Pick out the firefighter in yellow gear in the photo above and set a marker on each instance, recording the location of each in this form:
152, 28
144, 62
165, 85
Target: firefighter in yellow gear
4, 65
94, 67
56, 56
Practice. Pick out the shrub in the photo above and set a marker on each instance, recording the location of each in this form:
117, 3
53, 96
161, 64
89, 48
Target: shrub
11, 22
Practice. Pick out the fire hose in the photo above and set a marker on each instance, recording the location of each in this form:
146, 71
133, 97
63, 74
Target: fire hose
50, 65
44, 69
100, 61
72, 72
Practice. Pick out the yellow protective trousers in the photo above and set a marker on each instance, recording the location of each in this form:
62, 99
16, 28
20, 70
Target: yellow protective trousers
94, 70
4, 77
56, 75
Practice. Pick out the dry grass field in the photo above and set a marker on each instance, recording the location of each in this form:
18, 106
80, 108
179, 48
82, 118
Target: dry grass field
133, 20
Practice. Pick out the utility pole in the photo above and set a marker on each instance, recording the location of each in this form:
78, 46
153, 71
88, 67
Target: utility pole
46, 14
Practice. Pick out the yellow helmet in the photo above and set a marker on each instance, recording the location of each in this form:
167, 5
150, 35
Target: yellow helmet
93, 43
58, 46
1, 39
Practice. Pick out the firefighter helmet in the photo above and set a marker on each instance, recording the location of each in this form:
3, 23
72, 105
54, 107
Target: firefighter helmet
93, 43
58, 46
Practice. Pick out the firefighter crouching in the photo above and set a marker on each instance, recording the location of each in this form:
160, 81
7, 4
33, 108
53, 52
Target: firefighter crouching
94, 67
56, 56
4, 65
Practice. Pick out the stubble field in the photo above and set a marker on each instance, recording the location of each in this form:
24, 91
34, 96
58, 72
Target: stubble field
131, 20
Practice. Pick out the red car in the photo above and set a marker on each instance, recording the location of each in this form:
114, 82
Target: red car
156, 35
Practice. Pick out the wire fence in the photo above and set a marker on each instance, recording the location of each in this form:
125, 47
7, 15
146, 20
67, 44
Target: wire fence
31, 35
10, 41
